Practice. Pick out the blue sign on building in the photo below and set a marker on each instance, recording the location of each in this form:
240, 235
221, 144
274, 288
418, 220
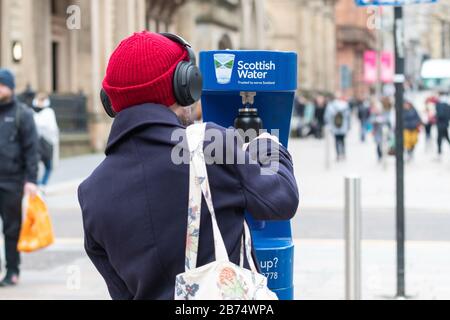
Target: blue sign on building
391, 2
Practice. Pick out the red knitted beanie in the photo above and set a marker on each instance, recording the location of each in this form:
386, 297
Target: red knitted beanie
141, 71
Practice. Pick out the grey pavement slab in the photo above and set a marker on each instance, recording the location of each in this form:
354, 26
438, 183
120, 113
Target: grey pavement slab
377, 224
320, 270
75, 168
77, 281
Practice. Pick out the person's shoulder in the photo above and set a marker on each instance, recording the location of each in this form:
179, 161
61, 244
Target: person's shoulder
25, 113
215, 126
333, 105
23, 108
89, 187
86, 183
49, 111
87, 198
80, 193
228, 140
215, 130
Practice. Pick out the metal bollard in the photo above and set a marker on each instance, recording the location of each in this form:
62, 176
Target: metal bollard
353, 238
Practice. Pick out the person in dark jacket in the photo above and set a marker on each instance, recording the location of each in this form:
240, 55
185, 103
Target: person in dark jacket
412, 123
442, 121
320, 104
18, 169
135, 204
364, 116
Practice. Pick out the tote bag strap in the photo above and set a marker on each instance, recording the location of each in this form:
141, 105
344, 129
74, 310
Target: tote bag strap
193, 226
198, 185
247, 239
246, 249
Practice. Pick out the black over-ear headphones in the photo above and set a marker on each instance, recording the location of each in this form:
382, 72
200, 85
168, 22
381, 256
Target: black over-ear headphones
187, 79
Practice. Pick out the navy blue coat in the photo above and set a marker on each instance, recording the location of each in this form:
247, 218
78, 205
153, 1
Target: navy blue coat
442, 115
19, 156
411, 119
134, 205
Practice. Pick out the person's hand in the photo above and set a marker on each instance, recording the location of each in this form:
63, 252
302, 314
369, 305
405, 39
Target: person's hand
265, 135
30, 189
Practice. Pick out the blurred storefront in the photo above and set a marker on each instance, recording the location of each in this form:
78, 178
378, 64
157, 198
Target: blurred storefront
307, 27
353, 37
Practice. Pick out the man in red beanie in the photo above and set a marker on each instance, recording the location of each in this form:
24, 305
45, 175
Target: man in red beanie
141, 70
135, 204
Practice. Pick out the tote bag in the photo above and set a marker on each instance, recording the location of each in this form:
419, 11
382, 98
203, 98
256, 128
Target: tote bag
221, 279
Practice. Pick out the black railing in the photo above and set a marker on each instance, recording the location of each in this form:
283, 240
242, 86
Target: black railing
71, 110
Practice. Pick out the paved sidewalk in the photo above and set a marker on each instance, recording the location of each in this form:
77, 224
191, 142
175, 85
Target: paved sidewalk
66, 178
64, 271
319, 273
320, 270
61, 272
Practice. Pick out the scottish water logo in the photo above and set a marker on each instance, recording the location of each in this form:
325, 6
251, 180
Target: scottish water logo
224, 63
255, 70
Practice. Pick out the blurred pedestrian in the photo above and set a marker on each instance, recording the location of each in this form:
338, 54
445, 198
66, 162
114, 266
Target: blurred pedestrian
380, 126
364, 117
320, 106
309, 118
412, 123
338, 117
298, 115
387, 104
48, 131
442, 121
18, 169
27, 96
429, 117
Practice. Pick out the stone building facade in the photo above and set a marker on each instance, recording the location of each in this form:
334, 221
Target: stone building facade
436, 24
307, 27
63, 46
59, 54
353, 36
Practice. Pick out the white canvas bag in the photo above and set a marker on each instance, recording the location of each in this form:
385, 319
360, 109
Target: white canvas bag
221, 279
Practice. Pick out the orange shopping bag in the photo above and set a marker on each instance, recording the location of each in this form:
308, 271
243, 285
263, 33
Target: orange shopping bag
37, 230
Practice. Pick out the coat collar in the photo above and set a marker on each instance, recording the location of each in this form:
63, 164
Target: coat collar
135, 117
